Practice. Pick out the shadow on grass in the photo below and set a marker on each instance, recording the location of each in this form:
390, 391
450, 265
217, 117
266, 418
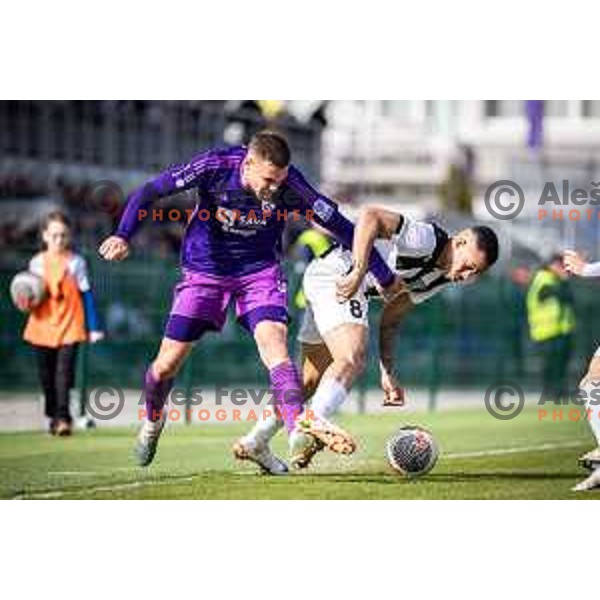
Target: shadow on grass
471, 477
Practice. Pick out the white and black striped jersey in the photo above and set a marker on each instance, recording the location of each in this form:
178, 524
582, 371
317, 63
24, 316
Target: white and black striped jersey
412, 253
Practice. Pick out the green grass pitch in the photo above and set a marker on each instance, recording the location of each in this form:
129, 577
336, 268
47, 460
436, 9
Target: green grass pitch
481, 458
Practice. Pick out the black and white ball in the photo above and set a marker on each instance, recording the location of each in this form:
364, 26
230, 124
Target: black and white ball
412, 451
29, 286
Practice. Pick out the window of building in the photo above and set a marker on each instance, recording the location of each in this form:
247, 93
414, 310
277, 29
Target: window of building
504, 108
395, 109
429, 108
556, 108
591, 109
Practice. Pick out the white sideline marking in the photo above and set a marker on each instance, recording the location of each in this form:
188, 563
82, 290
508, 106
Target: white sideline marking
513, 450
84, 473
62, 473
104, 488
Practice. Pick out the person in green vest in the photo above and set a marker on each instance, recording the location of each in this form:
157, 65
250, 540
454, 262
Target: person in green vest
311, 243
551, 317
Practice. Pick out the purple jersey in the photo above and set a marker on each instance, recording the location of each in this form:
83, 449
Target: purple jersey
231, 232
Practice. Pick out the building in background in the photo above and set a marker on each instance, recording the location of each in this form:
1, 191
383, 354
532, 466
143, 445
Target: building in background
402, 148
137, 137
408, 153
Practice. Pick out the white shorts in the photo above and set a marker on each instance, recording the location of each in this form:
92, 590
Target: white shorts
323, 311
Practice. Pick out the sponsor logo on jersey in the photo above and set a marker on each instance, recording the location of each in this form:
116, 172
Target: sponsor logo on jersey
323, 209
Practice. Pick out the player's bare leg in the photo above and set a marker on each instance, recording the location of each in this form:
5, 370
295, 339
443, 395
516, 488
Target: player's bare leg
157, 386
347, 346
316, 358
591, 460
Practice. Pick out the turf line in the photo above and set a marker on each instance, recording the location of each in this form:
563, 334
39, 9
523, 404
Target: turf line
84, 473
513, 450
93, 490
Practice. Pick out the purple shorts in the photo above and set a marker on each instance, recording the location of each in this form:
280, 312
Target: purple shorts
200, 302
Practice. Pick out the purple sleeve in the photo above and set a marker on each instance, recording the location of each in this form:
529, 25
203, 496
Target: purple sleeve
140, 199
176, 178
327, 215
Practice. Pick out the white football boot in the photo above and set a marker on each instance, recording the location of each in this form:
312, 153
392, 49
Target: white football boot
259, 452
591, 483
147, 441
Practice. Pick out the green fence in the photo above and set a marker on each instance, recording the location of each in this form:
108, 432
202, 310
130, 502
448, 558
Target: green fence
464, 337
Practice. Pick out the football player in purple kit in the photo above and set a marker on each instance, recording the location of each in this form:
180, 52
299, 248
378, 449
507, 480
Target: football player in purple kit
231, 252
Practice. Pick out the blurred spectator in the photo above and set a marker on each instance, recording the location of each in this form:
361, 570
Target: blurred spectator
521, 276
551, 324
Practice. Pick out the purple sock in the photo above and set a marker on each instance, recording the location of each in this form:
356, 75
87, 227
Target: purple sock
156, 393
287, 390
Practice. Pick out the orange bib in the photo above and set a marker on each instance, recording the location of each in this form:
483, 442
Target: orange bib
60, 318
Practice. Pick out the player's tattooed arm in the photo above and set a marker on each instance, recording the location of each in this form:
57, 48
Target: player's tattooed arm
392, 315
373, 222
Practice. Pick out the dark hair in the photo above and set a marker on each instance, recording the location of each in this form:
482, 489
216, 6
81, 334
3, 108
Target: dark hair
556, 257
271, 146
56, 215
487, 242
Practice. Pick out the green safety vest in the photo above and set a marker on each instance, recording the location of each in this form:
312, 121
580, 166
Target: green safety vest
318, 244
548, 318
315, 240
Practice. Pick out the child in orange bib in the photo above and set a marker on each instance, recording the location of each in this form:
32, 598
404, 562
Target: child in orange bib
65, 318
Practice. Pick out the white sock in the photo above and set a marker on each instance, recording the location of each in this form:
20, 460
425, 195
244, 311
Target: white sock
593, 405
330, 395
265, 430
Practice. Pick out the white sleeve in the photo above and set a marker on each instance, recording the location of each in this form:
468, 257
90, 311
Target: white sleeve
79, 270
36, 265
415, 238
591, 270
